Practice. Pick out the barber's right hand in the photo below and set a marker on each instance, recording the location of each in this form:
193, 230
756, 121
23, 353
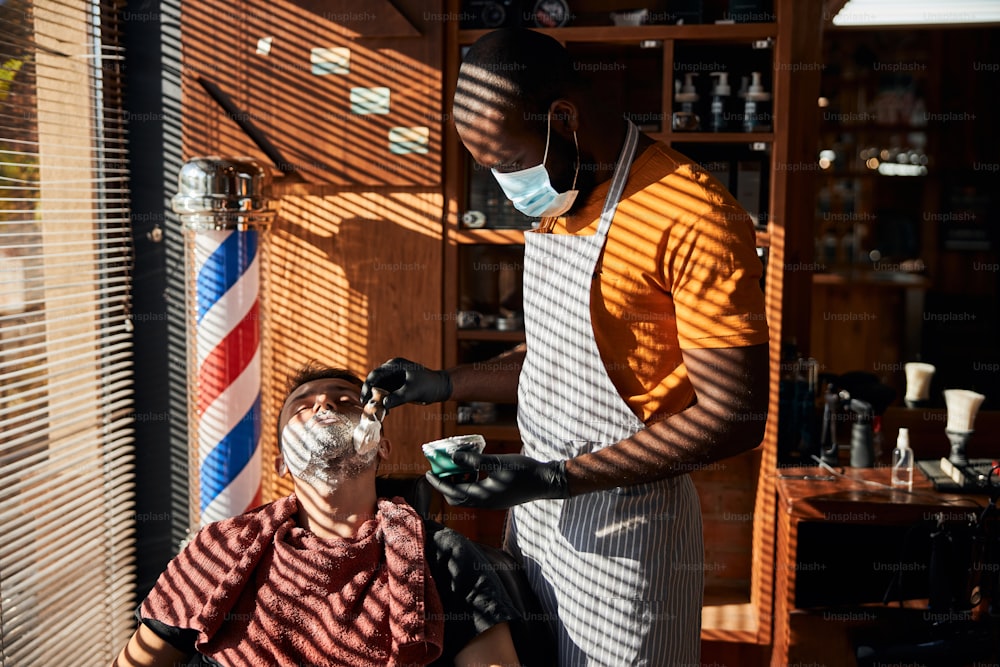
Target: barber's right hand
408, 382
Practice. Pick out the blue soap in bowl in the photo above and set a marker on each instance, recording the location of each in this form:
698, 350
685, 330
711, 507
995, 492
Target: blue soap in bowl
439, 454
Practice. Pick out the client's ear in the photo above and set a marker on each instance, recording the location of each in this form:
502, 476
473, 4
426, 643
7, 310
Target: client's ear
384, 448
279, 465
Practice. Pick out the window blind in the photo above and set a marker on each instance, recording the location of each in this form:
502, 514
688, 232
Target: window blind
67, 517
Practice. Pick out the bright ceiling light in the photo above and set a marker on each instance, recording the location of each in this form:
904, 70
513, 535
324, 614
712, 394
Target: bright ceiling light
917, 12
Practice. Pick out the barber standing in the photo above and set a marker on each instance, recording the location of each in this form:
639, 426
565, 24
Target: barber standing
645, 355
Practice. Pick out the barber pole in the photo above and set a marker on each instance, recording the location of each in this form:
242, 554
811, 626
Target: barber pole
223, 213
227, 347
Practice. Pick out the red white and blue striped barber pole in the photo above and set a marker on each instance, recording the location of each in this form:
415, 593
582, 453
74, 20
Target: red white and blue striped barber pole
223, 211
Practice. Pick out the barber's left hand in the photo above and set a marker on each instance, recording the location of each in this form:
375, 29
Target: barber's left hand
511, 479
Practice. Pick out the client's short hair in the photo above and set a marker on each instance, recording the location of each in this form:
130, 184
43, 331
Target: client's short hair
314, 370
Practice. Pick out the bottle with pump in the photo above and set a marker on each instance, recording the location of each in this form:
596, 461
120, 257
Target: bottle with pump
685, 120
741, 98
756, 115
719, 91
902, 462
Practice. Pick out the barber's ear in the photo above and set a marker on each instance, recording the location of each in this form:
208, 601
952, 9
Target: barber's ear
565, 118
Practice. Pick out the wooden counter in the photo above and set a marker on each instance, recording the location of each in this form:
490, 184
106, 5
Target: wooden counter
859, 501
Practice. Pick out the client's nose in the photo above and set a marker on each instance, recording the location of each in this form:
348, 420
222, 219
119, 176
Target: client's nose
322, 401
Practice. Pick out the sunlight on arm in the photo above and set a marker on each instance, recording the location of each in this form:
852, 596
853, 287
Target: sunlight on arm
493, 648
147, 649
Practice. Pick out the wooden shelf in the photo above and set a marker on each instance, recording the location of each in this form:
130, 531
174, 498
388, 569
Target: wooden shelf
491, 335
870, 278
869, 173
728, 616
503, 236
705, 32
832, 126
716, 137
516, 236
291, 186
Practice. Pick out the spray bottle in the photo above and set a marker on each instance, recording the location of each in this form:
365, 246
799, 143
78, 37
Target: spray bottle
719, 91
756, 115
685, 119
902, 461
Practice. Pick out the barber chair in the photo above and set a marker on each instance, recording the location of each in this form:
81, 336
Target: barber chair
532, 635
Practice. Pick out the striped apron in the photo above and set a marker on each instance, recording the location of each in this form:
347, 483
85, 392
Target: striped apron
618, 572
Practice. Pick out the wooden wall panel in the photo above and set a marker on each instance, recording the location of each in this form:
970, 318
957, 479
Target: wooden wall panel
292, 69
354, 260
354, 280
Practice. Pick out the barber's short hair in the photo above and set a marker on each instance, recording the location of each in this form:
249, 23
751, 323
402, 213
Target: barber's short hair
526, 69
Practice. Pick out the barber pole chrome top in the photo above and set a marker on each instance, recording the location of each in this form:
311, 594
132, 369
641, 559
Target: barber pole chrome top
215, 193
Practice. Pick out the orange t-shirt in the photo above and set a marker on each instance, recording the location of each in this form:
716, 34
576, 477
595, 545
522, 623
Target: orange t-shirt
679, 270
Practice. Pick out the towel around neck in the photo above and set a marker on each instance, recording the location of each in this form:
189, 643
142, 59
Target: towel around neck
259, 589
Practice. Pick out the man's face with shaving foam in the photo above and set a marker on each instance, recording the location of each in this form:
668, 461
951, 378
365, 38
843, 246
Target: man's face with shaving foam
316, 425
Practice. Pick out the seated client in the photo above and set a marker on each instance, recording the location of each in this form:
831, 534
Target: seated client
329, 575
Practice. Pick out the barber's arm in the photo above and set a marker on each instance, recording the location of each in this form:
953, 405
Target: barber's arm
494, 381
148, 649
731, 389
727, 418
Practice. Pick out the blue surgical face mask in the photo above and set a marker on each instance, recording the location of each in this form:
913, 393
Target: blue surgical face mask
530, 190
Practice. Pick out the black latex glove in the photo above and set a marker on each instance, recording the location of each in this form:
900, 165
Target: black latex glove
511, 479
408, 382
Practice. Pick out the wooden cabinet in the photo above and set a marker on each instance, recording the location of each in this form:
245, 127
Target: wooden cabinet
829, 600
482, 260
906, 262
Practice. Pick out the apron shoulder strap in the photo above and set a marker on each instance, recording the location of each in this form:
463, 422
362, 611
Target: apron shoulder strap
619, 179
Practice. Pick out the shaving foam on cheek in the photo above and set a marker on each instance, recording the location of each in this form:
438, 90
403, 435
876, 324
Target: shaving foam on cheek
368, 432
367, 435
